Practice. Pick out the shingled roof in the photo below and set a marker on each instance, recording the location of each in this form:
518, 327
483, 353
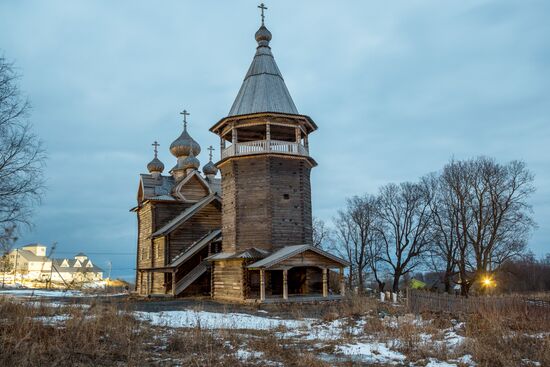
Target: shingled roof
263, 88
290, 251
186, 214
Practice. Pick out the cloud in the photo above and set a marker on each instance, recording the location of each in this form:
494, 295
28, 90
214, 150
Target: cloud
397, 89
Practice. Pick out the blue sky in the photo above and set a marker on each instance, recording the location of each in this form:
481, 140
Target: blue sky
397, 89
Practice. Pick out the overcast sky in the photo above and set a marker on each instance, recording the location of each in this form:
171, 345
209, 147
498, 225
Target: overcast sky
396, 88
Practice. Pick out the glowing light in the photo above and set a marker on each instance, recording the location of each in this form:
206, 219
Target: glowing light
488, 282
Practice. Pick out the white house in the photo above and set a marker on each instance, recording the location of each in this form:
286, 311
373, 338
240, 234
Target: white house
31, 263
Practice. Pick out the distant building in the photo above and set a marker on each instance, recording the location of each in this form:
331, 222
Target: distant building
31, 263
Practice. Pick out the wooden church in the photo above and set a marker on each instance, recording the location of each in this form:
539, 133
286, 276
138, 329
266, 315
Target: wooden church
246, 236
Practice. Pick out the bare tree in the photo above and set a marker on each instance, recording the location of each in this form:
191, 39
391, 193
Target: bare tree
494, 216
21, 154
405, 227
355, 234
446, 233
320, 233
7, 239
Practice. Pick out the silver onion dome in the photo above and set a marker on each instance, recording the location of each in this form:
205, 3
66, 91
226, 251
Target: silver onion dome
210, 168
183, 145
155, 166
263, 36
190, 161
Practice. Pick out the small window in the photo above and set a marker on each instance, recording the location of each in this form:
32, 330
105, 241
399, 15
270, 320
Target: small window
286, 196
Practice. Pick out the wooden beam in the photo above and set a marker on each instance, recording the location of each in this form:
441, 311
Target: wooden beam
285, 284
325, 282
174, 283
262, 285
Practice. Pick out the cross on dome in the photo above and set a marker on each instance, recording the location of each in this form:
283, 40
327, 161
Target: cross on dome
156, 145
185, 114
262, 7
211, 149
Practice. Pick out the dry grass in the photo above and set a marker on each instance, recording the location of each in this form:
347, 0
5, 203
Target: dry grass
508, 339
94, 336
101, 335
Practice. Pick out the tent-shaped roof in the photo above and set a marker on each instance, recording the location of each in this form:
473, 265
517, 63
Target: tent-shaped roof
263, 88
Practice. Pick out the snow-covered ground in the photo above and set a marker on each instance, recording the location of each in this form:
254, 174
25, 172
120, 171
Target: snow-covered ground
41, 293
214, 320
338, 340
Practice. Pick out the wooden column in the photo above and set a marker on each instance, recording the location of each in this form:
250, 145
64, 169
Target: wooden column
262, 285
234, 136
174, 283
285, 284
222, 144
325, 283
268, 131
342, 284
298, 135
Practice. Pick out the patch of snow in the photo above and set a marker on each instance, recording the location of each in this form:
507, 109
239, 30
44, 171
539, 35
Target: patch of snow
436, 363
245, 355
52, 320
453, 340
41, 293
528, 362
36, 304
212, 320
467, 359
371, 352
325, 331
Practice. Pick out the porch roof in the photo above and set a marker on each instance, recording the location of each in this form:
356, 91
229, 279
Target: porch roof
251, 253
291, 251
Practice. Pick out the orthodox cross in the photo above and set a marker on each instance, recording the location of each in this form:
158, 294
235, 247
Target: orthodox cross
262, 7
156, 145
211, 150
185, 114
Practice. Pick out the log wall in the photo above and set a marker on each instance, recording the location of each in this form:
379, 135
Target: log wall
266, 202
228, 280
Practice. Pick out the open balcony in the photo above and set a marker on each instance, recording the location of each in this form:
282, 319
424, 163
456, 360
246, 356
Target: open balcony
265, 146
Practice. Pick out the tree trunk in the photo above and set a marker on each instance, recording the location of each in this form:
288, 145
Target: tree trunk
396, 278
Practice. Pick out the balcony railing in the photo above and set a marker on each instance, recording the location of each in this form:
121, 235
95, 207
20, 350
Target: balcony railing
265, 146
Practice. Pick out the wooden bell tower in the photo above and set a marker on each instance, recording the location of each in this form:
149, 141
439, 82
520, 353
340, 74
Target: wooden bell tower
265, 181
265, 163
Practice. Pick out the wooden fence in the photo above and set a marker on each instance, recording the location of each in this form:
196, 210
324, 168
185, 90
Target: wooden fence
423, 301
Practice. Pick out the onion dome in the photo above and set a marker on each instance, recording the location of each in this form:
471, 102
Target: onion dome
190, 162
210, 168
155, 165
184, 144
263, 36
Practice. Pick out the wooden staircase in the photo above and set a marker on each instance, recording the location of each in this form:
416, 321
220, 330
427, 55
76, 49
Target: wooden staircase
190, 277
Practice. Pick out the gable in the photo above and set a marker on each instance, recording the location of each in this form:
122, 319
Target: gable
192, 188
309, 258
299, 255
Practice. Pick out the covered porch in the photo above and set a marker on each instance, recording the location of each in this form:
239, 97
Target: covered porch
296, 274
